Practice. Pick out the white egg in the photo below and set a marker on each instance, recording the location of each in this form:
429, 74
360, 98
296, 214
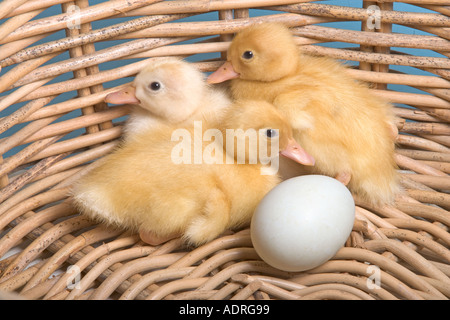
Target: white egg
302, 222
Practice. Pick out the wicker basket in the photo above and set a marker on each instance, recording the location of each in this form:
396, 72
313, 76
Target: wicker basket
55, 124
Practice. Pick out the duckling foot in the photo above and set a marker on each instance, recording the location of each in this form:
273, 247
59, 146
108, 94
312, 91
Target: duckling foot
153, 239
394, 131
343, 177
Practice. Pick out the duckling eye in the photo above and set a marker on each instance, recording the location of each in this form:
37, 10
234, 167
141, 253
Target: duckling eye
247, 55
155, 86
271, 133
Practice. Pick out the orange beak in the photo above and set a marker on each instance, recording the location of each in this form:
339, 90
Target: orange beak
295, 152
224, 73
126, 95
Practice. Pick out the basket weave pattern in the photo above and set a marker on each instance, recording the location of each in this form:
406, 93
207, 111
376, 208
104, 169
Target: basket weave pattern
394, 252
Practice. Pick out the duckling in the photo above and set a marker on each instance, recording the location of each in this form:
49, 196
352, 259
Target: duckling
142, 185
169, 90
349, 131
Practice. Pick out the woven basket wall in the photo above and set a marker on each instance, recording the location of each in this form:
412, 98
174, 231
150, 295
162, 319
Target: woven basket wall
48, 251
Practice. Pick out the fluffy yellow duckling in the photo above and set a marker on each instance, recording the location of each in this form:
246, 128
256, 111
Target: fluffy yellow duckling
348, 131
169, 90
144, 186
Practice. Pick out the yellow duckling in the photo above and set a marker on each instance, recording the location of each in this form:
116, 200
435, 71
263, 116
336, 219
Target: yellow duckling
349, 131
169, 91
155, 185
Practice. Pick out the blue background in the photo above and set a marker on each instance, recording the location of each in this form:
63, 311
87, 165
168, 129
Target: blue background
353, 25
